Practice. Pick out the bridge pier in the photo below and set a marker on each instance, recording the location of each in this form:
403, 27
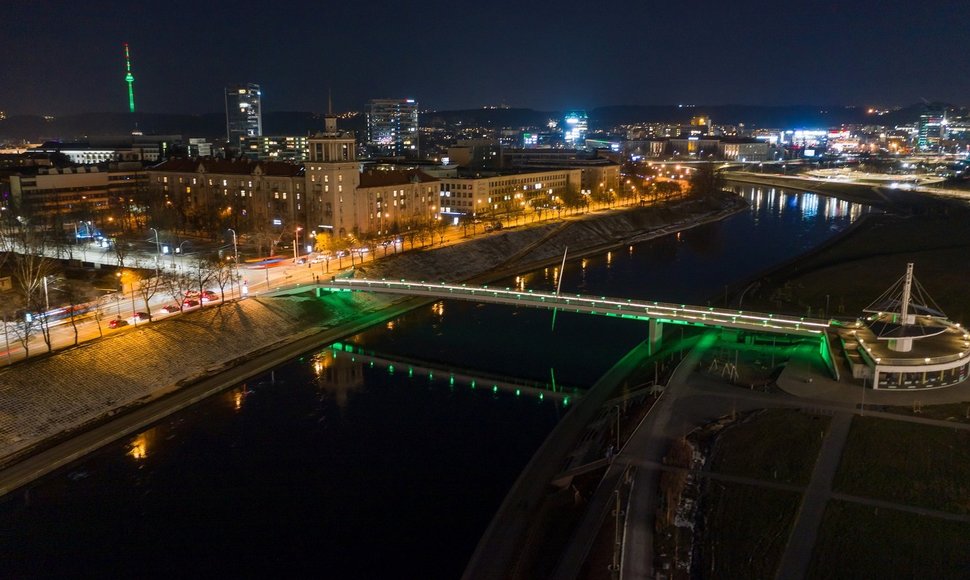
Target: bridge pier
655, 331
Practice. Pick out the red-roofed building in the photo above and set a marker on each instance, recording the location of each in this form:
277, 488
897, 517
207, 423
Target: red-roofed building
389, 201
246, 195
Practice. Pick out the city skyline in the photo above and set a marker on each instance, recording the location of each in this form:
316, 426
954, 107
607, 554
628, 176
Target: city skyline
570, 56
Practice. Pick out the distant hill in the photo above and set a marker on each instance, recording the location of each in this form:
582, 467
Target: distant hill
213, 125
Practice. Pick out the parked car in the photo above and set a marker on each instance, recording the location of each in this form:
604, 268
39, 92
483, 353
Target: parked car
170, 308
190, 303
117, 323
139, 317
209, 296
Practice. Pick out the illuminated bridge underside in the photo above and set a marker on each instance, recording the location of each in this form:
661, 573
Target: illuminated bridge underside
617, 307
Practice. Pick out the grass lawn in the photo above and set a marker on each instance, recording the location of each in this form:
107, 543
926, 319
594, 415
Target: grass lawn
856, 271
907, 463
776, 444
745, 530
857, 541
958, 412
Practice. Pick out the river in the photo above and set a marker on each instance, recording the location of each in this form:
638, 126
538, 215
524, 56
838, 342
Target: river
330, 466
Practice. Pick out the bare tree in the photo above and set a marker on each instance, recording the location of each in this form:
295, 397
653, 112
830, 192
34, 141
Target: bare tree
30, 272
225, 275
325, 245
77, 295
175, 284
202, 273
439, 228
122, 248
148, 289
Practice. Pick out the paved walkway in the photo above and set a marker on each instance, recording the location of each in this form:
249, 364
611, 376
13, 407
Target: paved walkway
801, 541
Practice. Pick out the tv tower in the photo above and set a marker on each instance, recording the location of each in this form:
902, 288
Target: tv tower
129, 79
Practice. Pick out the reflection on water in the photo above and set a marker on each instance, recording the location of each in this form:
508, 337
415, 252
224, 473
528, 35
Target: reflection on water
139, 445
807, 205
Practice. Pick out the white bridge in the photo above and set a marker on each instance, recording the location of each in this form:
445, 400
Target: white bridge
654, 312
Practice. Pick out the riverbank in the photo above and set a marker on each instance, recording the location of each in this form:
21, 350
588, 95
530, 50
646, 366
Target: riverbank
900, 201
843, 276
852, 272
47, 405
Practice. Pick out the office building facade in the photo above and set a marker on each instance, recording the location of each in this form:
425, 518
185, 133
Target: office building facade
575, 125
930, 129
244, 112
392, 128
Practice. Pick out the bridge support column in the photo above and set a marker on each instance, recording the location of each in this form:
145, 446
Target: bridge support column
655, 330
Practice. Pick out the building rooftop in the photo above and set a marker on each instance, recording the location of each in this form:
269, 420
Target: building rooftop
385, 178
230, 167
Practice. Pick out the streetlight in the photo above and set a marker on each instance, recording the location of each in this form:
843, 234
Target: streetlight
235, 251
296, 243
178, 250
158, 250
235, 247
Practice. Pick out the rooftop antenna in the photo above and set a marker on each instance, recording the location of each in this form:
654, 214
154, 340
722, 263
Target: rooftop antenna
329, 121
130, 79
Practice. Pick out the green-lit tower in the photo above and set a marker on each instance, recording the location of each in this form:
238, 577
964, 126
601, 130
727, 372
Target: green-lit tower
129, 78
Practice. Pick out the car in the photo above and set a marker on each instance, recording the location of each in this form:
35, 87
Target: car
189, 303
191, 293
139, 317
170, 308
209, 296
117, 323
299, 261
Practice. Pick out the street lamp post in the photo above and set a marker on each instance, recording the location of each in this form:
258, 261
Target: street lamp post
158, 250
235, 252
296, 244
235, 247
179, 252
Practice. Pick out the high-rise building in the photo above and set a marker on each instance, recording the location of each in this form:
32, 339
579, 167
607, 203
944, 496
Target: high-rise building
574, 129
392, 127
930, 129
244, 117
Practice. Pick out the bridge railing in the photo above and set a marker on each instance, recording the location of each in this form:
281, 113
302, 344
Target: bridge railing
659, 311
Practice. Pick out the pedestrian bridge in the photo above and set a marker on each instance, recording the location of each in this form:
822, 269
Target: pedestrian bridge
657, 312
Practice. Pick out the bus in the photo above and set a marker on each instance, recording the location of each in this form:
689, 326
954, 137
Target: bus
263, 263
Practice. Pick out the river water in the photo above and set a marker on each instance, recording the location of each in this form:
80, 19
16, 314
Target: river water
332, 466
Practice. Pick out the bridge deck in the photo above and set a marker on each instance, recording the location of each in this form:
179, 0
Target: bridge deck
619, 307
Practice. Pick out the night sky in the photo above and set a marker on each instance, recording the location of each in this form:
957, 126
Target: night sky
63, 57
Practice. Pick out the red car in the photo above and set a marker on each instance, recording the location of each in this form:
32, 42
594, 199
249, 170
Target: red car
139, 317
170, 308
117, 323
209, 296
190, 303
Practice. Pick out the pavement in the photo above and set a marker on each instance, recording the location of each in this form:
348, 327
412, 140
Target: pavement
801, 541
